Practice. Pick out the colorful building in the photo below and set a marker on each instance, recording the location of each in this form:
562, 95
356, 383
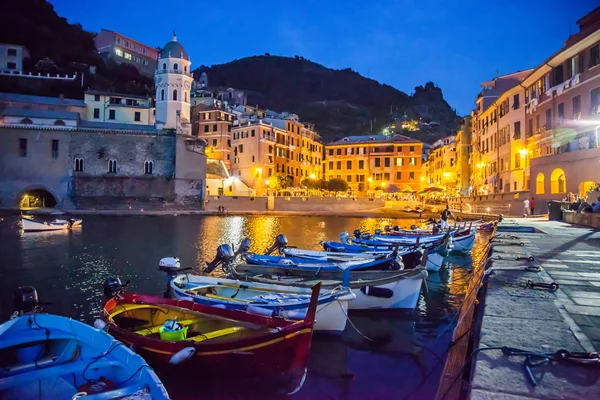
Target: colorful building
119, 108
463, 157
122, 49
374, 161
214, 124
443, 165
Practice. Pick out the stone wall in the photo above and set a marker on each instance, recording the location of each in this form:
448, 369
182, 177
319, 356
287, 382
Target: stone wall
587, 219
326, 204
234, 203
37, 168
190, 171
509, 204
151, 187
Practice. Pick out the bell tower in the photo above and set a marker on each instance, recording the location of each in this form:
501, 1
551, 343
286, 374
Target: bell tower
173, 80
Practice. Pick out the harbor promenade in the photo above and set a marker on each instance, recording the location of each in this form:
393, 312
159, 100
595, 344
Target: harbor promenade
516, 311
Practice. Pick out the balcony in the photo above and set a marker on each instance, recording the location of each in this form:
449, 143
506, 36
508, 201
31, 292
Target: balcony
173, 71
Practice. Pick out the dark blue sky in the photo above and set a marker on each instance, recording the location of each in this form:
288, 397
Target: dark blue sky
403, 43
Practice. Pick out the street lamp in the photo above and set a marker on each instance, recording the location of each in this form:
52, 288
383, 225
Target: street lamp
312, 176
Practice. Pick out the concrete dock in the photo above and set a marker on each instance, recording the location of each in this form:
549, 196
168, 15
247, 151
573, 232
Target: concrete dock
537, 319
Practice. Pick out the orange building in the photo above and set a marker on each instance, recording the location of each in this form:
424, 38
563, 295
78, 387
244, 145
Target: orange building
371, 162
214, 125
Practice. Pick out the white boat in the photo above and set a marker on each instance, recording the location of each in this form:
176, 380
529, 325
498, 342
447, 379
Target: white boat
373, 289
31, 225
435, 261
286, 301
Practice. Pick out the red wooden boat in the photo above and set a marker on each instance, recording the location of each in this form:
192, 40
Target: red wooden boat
216, 341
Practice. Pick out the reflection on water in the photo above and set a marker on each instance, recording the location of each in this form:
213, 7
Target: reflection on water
388, 358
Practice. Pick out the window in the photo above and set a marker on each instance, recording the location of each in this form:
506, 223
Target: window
148, 167
127, 56
162, 94
537, 122
330, 165
96, 97
144, 50
361, 164
517, 134
253, 158
215, 127
11, 52
339, 152
78, 164
398, 175
175, 67
26, 121
387, 162
349, 165
411, 176
214, 142
561, 113
338, 165
576, 107
54, 148
530, 126
330, 152
594, 56
241, 148
548, 120
118, 40
164, 66
185, 68
386, 176
399, 161
518, 161
59, 122
413, 161
206, 128
185, 97
174, 94
137, 116
112, 166
119, 52
252, 133
516, 104
595, 100
228, 142
11, 65
111, 114
348, 178
126, 44
378, 162
412, 149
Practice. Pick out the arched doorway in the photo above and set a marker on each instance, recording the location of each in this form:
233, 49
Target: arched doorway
539, 183
558, 181
36, 198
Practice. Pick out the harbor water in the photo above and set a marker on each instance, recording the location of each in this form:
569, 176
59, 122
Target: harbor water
381, 355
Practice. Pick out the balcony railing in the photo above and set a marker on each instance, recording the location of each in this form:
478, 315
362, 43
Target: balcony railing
173, 71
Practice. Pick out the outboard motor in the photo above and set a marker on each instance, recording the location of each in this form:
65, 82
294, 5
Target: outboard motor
366, 236
224, 255
500, 217
26, 299
387, 228
357, 233
280, 244
244, 248
345, 238
396, 228
113, 287
435, 228
378, 231
413, 227
170, 265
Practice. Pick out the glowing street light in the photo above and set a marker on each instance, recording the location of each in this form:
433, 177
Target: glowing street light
523, 152
259, 170
312, 176
369, 179
267, 182
382, 184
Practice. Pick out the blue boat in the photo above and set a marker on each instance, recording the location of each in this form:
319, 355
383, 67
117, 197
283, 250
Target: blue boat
387, 263
44, 356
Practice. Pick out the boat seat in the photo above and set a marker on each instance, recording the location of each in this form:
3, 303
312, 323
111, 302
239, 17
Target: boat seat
130, 307
214, 296
156, 329
215, 334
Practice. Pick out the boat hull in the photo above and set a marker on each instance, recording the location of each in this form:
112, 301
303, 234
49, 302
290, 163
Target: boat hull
405, 296
435, 261
331, 314
37, 226
464, 244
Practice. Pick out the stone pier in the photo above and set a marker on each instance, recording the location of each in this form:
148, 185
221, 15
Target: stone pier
538, 319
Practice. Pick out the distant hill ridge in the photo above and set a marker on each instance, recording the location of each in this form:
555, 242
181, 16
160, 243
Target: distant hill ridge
340, 102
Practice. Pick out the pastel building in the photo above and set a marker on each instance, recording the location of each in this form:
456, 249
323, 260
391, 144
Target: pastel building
119, 108
11, 58
122, 49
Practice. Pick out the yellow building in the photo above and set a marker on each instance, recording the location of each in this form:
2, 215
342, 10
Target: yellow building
443, 165
372, 162
463, 157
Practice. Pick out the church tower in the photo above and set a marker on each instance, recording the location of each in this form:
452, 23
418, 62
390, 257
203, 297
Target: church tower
173, 81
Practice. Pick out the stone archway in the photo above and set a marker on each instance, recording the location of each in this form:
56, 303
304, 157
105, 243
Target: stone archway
36, 197
558, 181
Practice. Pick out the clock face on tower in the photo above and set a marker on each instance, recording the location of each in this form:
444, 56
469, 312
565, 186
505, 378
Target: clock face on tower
186, 85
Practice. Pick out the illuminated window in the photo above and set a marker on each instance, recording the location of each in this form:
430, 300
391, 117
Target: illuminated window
119, 52
399, 161
127, 56
558, 181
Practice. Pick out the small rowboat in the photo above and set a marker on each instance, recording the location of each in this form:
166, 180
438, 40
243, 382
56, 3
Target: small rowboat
267, 299
220, 342
44, 356
388, 263
31, 225
373, 289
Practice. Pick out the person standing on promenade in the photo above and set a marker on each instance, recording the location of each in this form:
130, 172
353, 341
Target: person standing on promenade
444, 218
526, 210
532, 206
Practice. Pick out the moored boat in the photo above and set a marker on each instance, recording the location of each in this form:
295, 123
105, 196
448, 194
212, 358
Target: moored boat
192, 338
31, 225
268, 299
44, 356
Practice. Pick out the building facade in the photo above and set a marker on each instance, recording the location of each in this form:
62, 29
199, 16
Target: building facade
562, 106
463, 157
373, 162
120, 48
119, 108
11, 58
443, 164
214, 124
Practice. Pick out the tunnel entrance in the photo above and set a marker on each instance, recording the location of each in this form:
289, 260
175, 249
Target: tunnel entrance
36, 198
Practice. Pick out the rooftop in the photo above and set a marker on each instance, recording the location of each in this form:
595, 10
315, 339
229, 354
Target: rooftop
19, 112
107, 93
375, 138
25, 98
114, 127
174, 49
